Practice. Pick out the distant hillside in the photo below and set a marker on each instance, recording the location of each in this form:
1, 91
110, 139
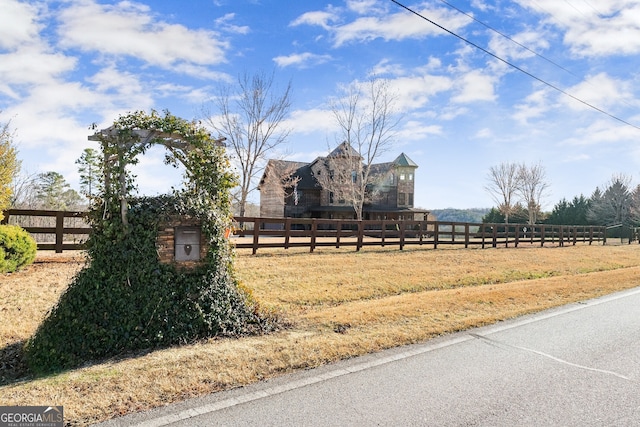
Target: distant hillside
460, 215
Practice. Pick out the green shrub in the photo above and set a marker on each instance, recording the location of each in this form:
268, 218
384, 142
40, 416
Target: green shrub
17, 248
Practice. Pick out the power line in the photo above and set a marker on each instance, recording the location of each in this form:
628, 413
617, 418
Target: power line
508, 38
552, 86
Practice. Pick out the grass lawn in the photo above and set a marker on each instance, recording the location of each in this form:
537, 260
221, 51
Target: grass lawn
335, 303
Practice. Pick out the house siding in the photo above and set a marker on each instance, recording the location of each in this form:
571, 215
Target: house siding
390, 194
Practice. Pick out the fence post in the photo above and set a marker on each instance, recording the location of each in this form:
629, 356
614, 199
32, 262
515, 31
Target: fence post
436, 233
314, 232
495, 235
257, 224
466, 235
287, 232
59, 231
402, 230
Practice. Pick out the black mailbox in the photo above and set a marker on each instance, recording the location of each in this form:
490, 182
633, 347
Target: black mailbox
187, 243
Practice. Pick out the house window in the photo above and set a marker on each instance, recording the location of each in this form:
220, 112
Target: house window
402, 177
410, 177
410, 199
391, 177
402, 198
331, 197
354, 176
331, 175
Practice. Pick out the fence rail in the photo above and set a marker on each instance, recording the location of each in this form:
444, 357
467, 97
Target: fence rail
58, 229
293, 232
255, 233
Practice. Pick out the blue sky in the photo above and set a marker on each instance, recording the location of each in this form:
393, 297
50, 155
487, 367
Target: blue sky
67, 64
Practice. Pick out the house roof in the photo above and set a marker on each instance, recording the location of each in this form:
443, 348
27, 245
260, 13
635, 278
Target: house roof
301, 170
405, 161
345, 150
308, 180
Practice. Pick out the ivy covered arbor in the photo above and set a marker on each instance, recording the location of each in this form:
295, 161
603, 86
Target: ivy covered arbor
125, 298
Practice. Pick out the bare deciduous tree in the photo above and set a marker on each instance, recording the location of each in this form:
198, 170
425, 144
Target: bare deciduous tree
502, 185
532, 187
250, 116
367, 119
24, 191
510, 183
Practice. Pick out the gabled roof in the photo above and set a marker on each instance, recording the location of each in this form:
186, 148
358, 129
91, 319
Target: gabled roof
404, 161
380, 169
345, 150
299, 169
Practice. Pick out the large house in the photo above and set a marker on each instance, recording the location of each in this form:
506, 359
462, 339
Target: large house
328, 186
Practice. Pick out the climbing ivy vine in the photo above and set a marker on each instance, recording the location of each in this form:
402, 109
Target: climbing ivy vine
125, 299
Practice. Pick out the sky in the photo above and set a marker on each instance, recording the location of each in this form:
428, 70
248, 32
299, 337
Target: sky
549, 82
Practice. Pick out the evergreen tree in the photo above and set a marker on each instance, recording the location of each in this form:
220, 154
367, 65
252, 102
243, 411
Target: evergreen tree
570, 213
91, 172
53, 192
613, 206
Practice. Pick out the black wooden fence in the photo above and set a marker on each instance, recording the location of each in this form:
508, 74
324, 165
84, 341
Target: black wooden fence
255, 233
53, 231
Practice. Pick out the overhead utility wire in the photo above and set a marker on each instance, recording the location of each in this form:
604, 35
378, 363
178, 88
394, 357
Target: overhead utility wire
552, 86
507, 37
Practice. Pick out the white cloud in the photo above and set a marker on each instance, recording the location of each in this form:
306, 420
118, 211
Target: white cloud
319, 18
535, 106
576, 158
484, 133
534, 41
31, 65
601, 91
223, 24
397, 26
375, 22
128, 29
414, 130
18, 23
415, 91
596, 28
474, 86
603, 131
311, 121
301, 60
364, 6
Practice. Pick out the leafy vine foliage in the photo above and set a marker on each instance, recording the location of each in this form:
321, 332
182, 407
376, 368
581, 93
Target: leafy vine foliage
125, 299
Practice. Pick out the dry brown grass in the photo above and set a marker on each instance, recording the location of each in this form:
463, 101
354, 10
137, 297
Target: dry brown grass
340, 303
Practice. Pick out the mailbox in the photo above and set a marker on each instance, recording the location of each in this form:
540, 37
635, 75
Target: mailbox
187, 243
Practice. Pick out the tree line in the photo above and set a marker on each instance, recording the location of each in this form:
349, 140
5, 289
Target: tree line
518, 191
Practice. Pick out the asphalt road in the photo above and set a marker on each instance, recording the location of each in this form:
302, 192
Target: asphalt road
574, 366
